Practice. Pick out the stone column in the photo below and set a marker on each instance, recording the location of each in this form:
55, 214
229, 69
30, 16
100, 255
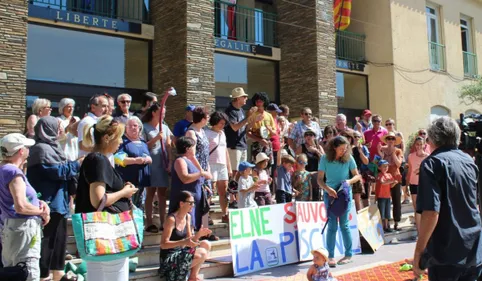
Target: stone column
13, 61
183, 53
308, 63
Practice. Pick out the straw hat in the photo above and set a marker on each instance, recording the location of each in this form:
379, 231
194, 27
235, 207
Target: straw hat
321, 251
238, 92
398, 139
261, 157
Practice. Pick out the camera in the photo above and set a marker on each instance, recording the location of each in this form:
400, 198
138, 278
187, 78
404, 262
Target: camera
471, 137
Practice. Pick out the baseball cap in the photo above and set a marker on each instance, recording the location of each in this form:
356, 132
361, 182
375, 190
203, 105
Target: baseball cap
273, 107
244, 165
190, 107
238, 92
367, 112
382, 162
11, 143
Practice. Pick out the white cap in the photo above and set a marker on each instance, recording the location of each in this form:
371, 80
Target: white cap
261, 157
11, 143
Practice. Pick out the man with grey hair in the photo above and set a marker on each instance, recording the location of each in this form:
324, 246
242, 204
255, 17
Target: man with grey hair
98, 105
449, 242
122, 113
340, 123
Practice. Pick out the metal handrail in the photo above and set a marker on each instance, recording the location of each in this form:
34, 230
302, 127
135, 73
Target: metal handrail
470, 64
350, 46
436, 56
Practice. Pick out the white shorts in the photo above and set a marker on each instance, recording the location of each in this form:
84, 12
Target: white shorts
219, 172
237, 156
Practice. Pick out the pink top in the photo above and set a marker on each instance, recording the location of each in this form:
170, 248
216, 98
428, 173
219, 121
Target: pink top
414, 162
374, 137
262, 175
219, 154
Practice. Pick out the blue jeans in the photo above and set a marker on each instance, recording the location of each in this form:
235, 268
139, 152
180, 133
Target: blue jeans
333, 228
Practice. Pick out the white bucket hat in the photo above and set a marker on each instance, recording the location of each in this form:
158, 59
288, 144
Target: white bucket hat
261, 157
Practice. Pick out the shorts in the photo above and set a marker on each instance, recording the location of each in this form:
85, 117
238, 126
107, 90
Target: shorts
237, 156
357, 188
219, 172
262, 198
384, 207
283, 196
54, 244
21, 240
413, 189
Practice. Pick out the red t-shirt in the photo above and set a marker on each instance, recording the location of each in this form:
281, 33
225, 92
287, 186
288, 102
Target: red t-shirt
383, 190
374, 137
275, 143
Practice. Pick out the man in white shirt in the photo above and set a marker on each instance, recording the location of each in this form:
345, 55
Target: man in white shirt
99, 106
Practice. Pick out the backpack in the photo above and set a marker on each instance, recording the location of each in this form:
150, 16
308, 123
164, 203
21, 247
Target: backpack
338, 206
18, 272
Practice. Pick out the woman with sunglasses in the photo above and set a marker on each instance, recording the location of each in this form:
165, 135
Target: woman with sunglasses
328, 133
181, 250
361, 156
40, 108
390, 125
426, 147
313, 152
394, 156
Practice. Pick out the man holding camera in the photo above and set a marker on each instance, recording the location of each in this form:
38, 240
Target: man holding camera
449, 242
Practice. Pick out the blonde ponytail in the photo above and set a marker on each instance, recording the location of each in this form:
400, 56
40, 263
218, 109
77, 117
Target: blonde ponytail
106, 125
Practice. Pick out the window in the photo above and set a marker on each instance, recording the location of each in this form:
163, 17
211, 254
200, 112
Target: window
438, 111
68, 56
469, 57
352, 95
435, 46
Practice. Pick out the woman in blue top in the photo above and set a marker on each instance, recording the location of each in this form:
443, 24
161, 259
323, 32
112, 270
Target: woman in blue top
50, 172
337, 164
135, 166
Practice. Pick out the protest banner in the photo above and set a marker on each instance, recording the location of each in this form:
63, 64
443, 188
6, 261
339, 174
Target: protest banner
370, 226
263, 237
311, 218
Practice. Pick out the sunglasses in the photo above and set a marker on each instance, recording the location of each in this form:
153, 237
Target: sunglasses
307, 114
376, 121
302, 162
192, 203
125, 101
390, 139
389, 124
422, 134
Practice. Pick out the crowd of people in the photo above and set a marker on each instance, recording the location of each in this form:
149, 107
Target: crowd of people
67, 164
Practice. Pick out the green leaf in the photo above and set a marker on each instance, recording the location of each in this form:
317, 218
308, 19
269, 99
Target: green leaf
471, 93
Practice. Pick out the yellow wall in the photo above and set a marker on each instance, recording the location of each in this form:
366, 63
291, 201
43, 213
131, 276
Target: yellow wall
416, 91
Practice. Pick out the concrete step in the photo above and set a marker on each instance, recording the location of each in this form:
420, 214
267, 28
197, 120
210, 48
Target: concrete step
404, 233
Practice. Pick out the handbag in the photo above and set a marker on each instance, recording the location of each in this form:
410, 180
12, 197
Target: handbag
102, 236
18, 272
205, 207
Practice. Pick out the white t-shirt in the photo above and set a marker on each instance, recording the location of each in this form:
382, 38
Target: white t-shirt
246, 199
70, 143
217, 139
89, 120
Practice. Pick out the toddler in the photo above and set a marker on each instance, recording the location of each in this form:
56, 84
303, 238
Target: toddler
319, 271
246, 186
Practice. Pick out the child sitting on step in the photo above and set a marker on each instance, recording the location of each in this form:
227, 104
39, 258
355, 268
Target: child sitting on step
320, 271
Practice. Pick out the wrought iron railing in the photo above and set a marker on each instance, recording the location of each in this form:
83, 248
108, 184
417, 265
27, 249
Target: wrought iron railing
470, 64
129, 10
436, 54
245, 24
350, 46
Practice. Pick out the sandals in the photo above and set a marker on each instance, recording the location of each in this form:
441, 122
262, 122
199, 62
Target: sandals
345, 260
332, 263
152, 229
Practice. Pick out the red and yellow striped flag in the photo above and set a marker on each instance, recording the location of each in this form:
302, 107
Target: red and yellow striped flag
341, 13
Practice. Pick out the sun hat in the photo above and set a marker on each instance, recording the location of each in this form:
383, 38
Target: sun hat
261, 157
244, 165
398, 139
321, 251
238, 92
11, 143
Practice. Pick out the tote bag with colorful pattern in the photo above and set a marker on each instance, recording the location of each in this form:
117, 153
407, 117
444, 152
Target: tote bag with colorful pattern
102, 236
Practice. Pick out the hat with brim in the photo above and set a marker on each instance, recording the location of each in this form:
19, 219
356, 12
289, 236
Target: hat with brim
237, 93
321, 251
261, 157
11, 143
398, 139
309, 131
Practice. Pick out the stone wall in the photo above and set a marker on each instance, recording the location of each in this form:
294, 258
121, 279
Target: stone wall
308, 63
13, 60
183, 53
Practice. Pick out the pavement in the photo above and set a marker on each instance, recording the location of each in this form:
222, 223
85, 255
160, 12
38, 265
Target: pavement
386, 254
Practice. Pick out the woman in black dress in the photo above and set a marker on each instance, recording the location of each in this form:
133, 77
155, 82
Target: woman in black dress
313, 151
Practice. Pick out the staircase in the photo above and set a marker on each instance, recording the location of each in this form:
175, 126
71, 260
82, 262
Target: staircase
219, 263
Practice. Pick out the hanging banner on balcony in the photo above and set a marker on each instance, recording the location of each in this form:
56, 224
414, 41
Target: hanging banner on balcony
263, 237
71, 17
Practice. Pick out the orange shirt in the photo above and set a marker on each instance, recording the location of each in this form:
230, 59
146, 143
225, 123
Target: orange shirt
383, 190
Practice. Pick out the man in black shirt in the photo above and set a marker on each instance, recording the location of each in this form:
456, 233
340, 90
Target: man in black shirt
235, 130
449, 243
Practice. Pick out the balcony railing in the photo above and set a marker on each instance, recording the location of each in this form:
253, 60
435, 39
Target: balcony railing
436, 54
470, 64
245, 24
350, 46
129, 10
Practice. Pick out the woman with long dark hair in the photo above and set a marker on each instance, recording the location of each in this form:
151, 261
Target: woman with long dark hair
337, 164
154, 133
181, 250
313, 152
